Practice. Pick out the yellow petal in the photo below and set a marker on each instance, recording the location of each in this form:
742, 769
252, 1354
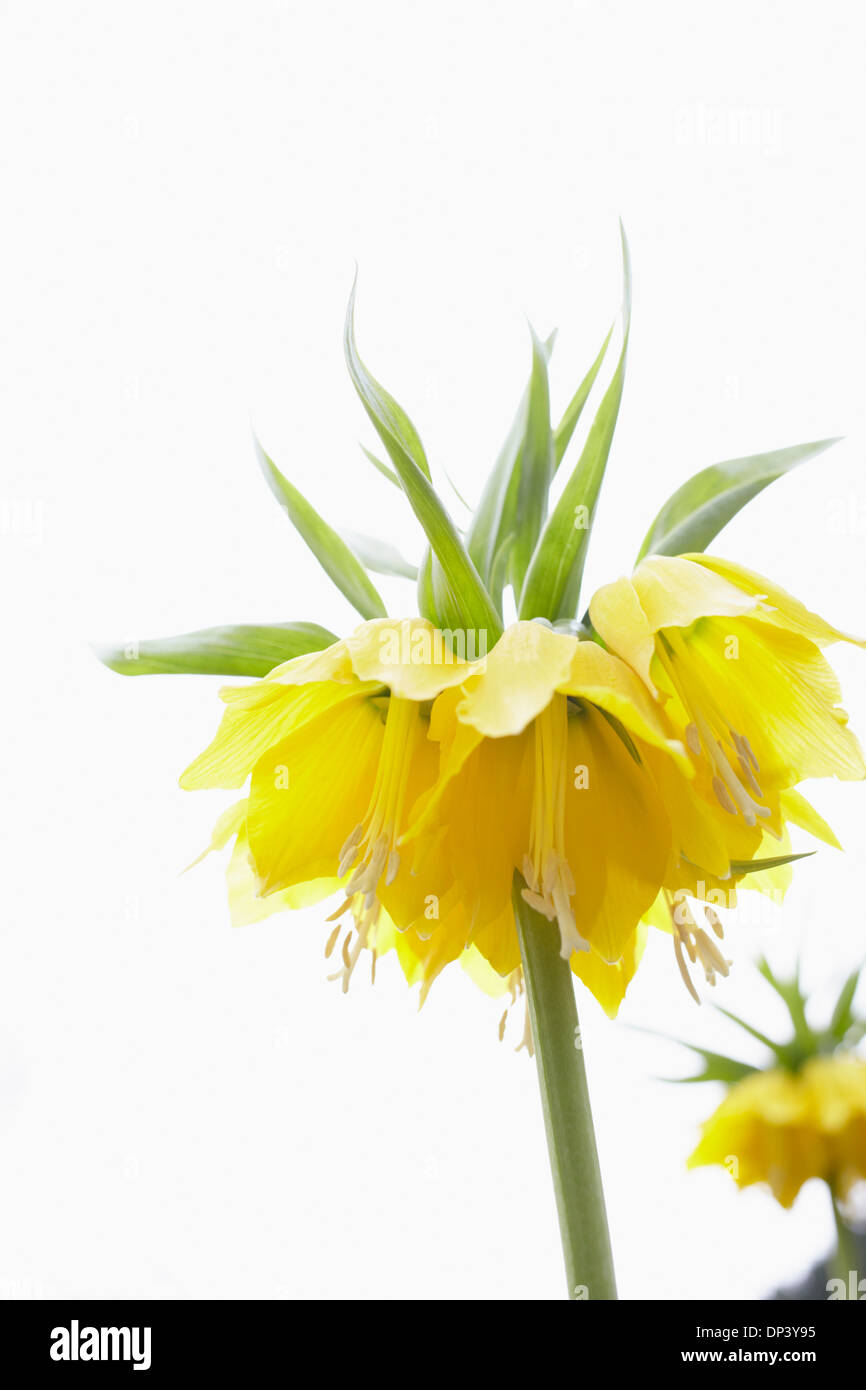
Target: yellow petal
308, 793
259, 716
617, 835
229, 823
609, 982
801, 812
413, 658
779, 605
520, 677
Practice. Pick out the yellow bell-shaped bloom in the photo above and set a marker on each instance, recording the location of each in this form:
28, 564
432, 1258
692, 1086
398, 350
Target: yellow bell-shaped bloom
736, 663
336, 752
783, 1128
541, 771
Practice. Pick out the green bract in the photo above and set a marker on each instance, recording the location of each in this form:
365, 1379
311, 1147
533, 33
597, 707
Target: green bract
844, 1030
529, 532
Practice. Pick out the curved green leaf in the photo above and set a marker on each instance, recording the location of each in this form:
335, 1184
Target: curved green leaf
552, 586
494, 524
241, 650
398, 434
536, 468
380, 466
380, 556
337, 560
695, 514
568, 424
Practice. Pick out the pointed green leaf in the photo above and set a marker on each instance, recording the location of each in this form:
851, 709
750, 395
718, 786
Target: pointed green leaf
716, 1067
789, 991
380, 556
470, 598
536, 468
494, 524
567, 425
740, 867
552, 586
241, 650
695, 514
381, 467
332, 553
843, 1017
777, 1048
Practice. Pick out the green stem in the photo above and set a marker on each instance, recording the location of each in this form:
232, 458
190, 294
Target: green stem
565, 1102
845, 1258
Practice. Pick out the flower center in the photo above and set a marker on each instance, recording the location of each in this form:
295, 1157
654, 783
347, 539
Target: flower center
550, 882
710, 734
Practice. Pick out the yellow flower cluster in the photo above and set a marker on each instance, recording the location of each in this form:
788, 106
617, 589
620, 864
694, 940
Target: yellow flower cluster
416, 777
783, 1128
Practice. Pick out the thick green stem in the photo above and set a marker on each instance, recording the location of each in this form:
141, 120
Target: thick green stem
565, 1102
845, 1258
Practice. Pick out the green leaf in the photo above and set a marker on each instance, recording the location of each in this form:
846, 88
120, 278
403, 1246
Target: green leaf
741, 867
843, 1018
332, 553
382, 467
536, 468
778, 1048
552, 586
696, 513
789, 991
494, 524
380, 556
239, 650
567, 425
716, 1067
470, 598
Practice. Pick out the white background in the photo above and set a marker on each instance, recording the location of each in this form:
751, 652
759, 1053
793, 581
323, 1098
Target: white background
189, 1110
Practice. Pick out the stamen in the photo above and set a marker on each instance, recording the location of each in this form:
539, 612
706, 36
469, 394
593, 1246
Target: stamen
735, 790
549, 880
722, 796
693, 940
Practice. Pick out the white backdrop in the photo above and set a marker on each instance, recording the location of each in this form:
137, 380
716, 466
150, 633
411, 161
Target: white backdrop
189, 1110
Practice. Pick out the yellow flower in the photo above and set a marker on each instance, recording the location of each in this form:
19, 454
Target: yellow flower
783, 1128
418, 782
736, 666
541, 772
336, 751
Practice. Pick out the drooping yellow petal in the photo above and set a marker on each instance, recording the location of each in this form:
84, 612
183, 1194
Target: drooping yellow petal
778, 605
617, 835
664, 591
309, 791
780, 690
609, 982
531, 663
519, 679
801, 812
229, 823
258, 717
415, 660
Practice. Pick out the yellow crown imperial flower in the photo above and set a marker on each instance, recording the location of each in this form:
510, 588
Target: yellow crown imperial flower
783, 1128
335, 747
736, 666
541, 772
524, 799
802, 1116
